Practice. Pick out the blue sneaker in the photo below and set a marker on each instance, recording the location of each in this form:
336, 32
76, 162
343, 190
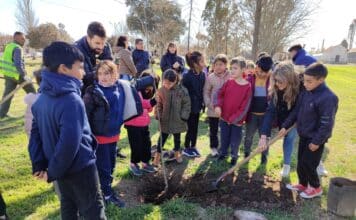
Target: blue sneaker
188, 152
195, 152
148, 168
135, 169
113, 199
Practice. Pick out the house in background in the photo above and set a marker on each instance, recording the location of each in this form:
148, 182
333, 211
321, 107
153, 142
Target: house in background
351, 55
335, 54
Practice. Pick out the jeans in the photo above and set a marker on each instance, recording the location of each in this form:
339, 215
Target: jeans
213, 132
80, 192
308, 161
288, 144
255, 123
230, 135
105, 161
10, 85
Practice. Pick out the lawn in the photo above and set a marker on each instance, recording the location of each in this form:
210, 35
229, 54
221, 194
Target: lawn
28, 198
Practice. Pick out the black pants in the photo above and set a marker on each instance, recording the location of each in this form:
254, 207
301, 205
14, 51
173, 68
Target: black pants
2, 206
164, 137
81, 192
192, 133
213, 132
10, 85
308, 161
140, 143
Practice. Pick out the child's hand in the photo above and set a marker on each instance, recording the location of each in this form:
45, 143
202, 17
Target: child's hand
282, 132
262, 144
175, 65
313, 147
218, 111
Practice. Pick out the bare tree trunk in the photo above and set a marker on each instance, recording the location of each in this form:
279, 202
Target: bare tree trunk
190, 21
256, 31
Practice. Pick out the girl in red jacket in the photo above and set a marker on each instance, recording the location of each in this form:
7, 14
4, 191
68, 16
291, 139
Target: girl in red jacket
232, 104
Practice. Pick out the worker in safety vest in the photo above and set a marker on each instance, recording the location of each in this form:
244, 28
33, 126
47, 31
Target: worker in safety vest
12, 67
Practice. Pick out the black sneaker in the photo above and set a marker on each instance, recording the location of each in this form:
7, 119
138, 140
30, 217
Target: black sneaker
168, 156
113, 199
195, 152
233, 161
120, 155
148, 168
221, 158
135, 169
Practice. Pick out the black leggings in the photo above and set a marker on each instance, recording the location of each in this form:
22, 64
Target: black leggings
164, 137
192, 133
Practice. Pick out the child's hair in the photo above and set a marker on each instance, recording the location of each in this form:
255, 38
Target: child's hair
220, 57
240, 61
109, 67
295, 47
121, 41
58, 53
96, 28
265, 62
37, 75
317, 70
261, 54
138, 40
193, 58
170, 75
250, 64
285, 72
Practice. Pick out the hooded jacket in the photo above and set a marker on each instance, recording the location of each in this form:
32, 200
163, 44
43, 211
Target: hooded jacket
61, 141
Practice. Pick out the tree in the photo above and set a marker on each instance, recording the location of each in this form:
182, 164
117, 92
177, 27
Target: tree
256, 30
351, 35
4, 39
25, 15
282, 21
158, 20
344, 43
45, 34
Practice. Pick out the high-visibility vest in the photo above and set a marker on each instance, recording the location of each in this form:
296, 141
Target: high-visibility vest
7, 66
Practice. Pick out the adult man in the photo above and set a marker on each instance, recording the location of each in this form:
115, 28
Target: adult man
12, 66
94, 48
140, 57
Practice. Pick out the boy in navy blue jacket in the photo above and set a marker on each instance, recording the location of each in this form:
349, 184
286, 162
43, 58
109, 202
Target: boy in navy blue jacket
61, 145
315, 116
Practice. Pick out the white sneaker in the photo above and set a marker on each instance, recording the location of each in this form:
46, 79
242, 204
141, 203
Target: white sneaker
285, 170
321, 170
214, 152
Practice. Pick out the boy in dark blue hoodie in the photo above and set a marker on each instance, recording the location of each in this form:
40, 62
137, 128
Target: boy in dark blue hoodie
61, 145
314, 114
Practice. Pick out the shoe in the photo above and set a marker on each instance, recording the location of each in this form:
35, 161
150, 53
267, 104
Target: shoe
188, 152
221, 158
297, 187
148, 168
120, 155
135, 169
247, 154
195, 152
321, 170
263, 159
157, 159
233, 161
168, 156
178, 157
214, 152
312, 192
113, 199
4, 217
285, 170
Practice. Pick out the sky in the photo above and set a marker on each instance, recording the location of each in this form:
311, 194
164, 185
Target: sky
329, 23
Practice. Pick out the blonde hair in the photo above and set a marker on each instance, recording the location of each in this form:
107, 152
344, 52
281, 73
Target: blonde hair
285, 72
109, 67
250, 64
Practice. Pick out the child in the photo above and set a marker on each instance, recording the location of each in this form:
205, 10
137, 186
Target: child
172, 110
232, 109
250, 68
213, 83
194, 81
315, 116
259, 103
139, 136
61, 145
107, 104
283, 91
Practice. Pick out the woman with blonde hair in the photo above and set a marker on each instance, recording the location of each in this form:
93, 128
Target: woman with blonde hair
284, 90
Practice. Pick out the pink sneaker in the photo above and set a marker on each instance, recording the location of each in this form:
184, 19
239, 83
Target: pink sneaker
311, 192
296, 187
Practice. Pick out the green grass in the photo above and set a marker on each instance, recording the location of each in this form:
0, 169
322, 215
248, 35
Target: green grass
28, 198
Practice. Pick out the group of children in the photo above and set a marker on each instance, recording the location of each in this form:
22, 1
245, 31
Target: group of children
74, 136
